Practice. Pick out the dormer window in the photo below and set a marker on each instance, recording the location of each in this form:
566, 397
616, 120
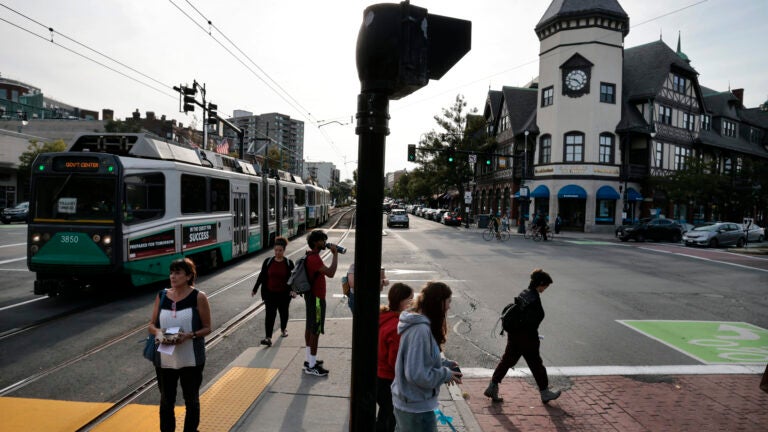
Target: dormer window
729, 129
679, 84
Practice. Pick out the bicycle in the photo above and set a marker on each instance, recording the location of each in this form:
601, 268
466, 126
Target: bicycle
533, 233
501, 235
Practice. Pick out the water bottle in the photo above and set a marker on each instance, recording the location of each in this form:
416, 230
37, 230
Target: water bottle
339, 248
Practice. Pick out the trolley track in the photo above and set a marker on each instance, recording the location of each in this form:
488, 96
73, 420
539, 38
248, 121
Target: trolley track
345, 219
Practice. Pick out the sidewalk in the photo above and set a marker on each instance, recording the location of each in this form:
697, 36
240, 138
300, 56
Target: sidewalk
293, 401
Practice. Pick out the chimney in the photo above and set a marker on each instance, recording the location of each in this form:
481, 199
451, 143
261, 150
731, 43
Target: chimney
150, 115
136, 114
739, 93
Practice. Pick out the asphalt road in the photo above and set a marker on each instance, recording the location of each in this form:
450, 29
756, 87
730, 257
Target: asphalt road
597, 283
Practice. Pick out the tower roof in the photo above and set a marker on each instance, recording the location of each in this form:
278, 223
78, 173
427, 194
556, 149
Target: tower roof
568, 9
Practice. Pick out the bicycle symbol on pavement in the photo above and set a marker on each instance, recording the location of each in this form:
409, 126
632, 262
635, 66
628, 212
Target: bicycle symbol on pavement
710, 342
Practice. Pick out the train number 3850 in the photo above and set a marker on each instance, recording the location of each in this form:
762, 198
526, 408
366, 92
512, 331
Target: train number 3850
69, 239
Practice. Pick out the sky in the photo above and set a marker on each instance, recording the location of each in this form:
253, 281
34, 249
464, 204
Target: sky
300, 57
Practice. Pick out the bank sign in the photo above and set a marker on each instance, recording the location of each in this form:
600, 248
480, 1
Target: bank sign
710, 342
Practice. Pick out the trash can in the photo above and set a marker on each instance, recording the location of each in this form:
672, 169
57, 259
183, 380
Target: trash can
483, 220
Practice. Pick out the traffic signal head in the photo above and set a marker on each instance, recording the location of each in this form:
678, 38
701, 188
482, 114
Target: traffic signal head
411, 152
451, 154
189, 98
212, 114
487, 159
400, 47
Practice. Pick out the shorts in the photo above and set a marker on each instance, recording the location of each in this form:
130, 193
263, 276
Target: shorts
315, 313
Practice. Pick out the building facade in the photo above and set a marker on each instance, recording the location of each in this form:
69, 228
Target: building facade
608, 124
324, 174
272, 131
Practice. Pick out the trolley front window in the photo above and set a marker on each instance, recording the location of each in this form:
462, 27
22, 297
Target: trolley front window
75, 198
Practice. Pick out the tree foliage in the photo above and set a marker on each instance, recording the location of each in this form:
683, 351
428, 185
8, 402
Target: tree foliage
456, 129
28, 157
130, 125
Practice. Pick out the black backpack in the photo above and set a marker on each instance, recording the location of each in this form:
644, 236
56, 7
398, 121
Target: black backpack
513, 314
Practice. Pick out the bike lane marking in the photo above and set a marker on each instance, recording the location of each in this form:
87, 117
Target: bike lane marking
714, 260
709, 342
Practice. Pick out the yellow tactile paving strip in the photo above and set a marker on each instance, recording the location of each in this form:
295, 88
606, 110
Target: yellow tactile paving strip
42, 415
221, 407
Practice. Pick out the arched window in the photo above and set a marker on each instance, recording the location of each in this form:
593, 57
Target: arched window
606, 148
545, 149
573, 151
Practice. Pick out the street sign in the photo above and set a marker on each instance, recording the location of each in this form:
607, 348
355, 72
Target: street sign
473, 158
467, 197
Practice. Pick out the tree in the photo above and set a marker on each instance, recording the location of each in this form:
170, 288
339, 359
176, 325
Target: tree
457, 130
28, 157
130, 125
341, 192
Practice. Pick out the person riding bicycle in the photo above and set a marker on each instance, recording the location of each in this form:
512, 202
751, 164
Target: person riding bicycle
540, 223
495, 223
504, 222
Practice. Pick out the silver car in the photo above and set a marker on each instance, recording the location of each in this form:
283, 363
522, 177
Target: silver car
397, 217
716, 234
756, 234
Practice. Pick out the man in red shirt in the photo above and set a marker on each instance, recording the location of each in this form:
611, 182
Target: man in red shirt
315, 298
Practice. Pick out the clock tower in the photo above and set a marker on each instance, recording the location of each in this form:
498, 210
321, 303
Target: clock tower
577, 150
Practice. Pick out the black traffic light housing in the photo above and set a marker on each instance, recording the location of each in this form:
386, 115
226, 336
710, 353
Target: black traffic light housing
189, 98
450, 154
411, 152
400, 47
488, 159
212, 114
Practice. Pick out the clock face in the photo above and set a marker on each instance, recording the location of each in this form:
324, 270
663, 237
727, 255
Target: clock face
576, 79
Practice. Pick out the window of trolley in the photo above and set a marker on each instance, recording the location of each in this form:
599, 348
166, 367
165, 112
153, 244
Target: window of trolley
75, 188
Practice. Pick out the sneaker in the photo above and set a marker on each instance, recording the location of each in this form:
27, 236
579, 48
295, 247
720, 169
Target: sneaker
548, 395
317, 363
316, 371
267, 342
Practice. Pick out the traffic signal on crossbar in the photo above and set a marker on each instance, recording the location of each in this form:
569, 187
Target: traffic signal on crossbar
411, 152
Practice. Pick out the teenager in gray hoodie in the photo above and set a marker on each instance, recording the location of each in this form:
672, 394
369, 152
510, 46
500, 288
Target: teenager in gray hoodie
420, 369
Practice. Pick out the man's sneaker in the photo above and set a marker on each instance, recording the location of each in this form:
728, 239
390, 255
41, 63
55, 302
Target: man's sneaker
316, 371
548, 395
317, 362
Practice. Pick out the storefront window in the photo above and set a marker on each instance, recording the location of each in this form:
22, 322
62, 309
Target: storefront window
606, 211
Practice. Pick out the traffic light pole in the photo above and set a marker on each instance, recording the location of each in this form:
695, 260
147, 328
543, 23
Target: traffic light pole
372, 129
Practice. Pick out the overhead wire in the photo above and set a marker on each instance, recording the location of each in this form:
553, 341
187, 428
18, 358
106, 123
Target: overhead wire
283, 94
537, 60
83, 55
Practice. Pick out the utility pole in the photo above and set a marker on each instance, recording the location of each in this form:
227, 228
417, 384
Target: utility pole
399, 49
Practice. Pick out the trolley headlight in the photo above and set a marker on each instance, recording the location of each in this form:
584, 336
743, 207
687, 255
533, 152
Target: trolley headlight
96, 238
46, 237
107, 240
33, 249
35, 238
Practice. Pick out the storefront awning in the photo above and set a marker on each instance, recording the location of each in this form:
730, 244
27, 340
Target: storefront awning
633, 195
572, 191
607, 193
541, 191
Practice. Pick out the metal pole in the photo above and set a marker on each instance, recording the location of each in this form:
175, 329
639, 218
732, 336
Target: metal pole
372, 129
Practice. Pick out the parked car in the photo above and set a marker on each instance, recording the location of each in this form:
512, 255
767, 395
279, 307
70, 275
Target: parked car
451, 218
437, 216
398, 217
651, 229
716, 234
755, 234
16, 214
